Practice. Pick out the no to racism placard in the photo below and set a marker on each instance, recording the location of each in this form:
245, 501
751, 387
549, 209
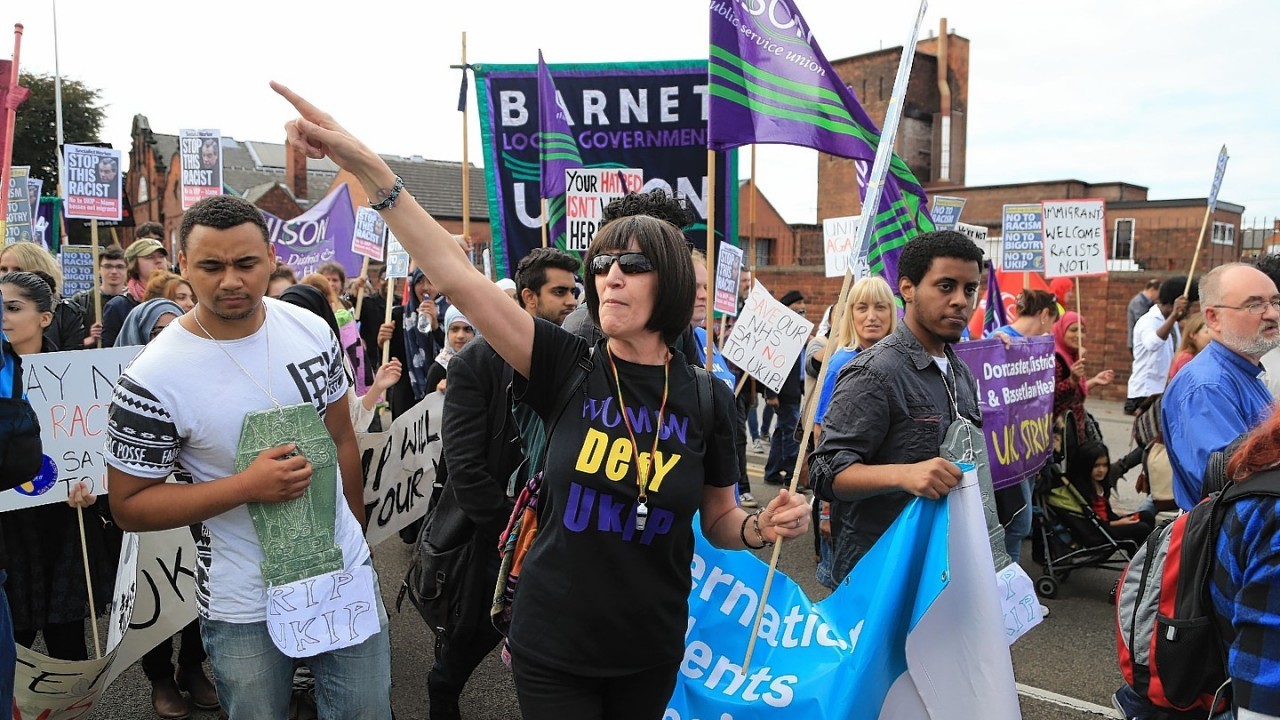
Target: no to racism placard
371, 230
587, 191
946, 211
92, 183
70, 392
1015, 390
18, 221
767, 338
728, 277
200, 154
838, 236
1022, 237
77, 269
1075, 238
400, 468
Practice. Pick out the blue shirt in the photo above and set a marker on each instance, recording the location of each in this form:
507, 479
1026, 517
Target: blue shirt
1007, 330
839, 359
718, 367
1213, 400
1245, 591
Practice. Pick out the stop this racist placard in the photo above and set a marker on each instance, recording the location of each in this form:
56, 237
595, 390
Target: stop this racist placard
92, 183
767, 338
200, 153
1075, 238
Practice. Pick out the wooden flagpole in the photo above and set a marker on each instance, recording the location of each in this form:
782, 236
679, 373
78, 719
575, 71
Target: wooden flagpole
10, 119
391, 298
364, 273
466, 167
97, 279
875, 185
1208, 212
88, 583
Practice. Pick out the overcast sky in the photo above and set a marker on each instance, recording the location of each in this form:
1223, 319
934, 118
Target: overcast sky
1140, 91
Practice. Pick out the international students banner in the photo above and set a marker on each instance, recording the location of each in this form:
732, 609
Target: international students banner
648, 116
864, 652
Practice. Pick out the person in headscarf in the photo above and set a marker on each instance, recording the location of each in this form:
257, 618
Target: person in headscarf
363, 407
146, 321
458, 332
1071, 386
416, 341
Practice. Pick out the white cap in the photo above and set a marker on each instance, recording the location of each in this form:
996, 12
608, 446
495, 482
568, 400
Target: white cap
506, 284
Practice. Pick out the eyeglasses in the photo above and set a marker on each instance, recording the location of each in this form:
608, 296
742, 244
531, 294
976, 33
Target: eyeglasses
631, 263
1253, 308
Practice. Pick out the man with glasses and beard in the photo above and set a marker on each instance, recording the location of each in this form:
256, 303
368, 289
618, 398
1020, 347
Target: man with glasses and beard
1219, 396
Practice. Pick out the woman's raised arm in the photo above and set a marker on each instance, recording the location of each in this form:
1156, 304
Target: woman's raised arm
507, 328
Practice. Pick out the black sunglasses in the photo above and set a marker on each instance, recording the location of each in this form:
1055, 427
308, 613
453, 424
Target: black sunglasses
632, 263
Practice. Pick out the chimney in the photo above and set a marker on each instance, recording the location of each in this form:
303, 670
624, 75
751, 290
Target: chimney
295, 171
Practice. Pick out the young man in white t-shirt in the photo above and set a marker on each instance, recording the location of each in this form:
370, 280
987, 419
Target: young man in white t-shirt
250, 354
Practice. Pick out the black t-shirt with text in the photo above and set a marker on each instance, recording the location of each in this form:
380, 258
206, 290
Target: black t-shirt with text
598, 597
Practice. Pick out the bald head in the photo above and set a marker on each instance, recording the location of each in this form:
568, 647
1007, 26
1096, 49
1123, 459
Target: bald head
1239, 304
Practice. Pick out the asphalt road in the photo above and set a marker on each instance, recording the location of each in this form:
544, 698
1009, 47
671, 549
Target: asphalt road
1065, 668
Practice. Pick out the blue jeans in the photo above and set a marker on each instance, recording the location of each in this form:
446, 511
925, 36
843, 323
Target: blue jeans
753, 423
255, 680
766, 420
1019, 527
785, 447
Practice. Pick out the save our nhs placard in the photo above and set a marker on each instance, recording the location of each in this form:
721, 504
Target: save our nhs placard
854, 654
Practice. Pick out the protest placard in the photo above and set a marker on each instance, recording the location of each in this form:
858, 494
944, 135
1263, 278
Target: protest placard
1022, 238
587, 191
397, 257
400, 468
70, 393
1015, 388
946, 211
767, 338
200, 156
77, 269
1075, 238
18, 222
39, 224
728, 275
370, 231
976, 233
838, 238
92, 183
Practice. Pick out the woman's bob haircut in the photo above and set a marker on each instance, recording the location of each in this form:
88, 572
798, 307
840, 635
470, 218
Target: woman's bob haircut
668, 251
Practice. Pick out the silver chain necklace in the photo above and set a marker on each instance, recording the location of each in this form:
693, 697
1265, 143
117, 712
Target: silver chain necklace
266, 336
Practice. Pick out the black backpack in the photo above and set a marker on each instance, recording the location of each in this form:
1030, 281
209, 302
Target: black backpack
21, 452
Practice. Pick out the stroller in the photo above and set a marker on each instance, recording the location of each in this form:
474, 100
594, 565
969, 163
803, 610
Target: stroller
1067, 535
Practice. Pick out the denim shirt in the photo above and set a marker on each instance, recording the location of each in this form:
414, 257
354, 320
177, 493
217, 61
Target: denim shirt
890, 406
1213, 400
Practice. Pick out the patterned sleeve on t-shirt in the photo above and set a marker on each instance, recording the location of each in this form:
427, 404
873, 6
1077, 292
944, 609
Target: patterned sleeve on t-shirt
142, 439
337, 372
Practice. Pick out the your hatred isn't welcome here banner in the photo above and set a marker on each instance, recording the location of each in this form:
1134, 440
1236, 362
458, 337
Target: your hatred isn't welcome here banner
648, 116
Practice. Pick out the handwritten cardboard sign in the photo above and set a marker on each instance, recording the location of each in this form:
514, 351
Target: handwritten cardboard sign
587, 192
324, 613
200, 155
400, 468
767, 339
70, 392
838, 238
1075, 238
728, 275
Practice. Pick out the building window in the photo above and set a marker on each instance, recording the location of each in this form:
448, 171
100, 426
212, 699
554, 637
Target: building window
764, 250
143, 194
1122, 240
1224, 233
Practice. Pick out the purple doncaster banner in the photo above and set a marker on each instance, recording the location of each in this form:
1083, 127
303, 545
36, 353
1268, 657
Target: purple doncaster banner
318, 235
1015, 391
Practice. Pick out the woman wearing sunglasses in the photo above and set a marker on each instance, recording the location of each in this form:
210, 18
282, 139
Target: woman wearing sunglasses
598, 624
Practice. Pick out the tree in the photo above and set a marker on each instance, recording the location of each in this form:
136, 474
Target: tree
35, 138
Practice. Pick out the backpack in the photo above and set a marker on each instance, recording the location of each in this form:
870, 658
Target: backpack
1170, 648
21, 451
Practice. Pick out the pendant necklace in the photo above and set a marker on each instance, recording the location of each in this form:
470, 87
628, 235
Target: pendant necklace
642, 470
266, 337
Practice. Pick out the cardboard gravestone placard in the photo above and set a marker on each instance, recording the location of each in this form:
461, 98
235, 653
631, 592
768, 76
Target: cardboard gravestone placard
297, 536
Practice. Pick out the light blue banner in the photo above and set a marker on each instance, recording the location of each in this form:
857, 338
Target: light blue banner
832, 659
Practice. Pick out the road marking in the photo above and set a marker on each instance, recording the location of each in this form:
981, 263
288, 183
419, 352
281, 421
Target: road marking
1067, 702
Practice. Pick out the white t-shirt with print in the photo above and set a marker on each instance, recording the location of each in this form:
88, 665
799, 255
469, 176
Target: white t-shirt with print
179, 407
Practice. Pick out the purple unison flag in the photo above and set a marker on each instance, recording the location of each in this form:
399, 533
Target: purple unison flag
770, 83
320, 234
994, 317
1015, 393
559, 149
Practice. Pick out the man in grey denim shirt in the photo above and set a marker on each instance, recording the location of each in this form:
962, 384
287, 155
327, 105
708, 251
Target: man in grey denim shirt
893, 403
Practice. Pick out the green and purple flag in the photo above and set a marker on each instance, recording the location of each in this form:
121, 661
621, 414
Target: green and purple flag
559, 151
771, 84
994, 316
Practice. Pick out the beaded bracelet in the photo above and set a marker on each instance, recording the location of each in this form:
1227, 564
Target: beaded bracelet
743, 533
390, 199
755, 521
